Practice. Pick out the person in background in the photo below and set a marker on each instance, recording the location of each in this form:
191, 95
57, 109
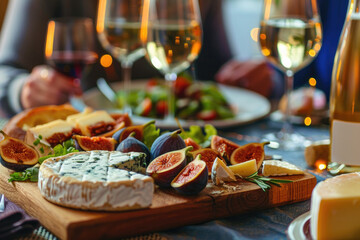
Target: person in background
26, 81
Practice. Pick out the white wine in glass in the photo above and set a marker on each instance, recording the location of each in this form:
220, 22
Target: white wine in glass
171, 32
118, 27
290, 37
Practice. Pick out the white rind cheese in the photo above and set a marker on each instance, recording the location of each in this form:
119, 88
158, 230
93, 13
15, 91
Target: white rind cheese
279, 168
97, 180
220, 173
335, 208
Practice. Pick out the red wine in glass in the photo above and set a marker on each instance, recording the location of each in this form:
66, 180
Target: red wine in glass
72, 64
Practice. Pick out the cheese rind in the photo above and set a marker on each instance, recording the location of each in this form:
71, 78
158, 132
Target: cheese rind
335, 208
89, 180
220, 173
279, 168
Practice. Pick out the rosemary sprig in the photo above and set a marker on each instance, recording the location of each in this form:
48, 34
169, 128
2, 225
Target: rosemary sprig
262, 182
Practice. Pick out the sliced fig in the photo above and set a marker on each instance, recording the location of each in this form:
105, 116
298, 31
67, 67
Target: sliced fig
224, 146
164, 168
208, 155
192, 179
191, 142
85, 143
117, 128
131, 144
16, 154
248, 152
125, 132
167, 142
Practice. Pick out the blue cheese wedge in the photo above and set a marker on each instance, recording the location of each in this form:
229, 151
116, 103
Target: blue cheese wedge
220, 173
279, 168
97, 180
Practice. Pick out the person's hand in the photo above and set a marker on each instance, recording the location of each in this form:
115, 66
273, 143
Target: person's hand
252, 75
45, 86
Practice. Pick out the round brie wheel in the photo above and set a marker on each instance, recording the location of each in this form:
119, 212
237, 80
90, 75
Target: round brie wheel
97, 180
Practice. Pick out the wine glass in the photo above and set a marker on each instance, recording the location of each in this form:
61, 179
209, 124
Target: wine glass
118, 27
70, 49
290, 37
171, 32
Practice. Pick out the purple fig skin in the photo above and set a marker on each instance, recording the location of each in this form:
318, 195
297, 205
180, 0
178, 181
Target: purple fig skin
167, 142
131, 144
195, 185
164, 176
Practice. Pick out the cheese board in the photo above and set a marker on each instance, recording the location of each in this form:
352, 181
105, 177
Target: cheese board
173, 209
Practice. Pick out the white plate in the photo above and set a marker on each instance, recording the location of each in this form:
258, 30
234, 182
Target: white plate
299, 229
250, 106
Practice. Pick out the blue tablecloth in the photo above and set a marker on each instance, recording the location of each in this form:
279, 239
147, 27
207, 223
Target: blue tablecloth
265, 224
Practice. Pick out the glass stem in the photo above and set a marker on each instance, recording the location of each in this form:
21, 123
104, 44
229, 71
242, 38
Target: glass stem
170, 79
289, 84
126, 74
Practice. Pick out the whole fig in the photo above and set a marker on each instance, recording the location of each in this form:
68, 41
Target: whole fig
131, 144
167, 142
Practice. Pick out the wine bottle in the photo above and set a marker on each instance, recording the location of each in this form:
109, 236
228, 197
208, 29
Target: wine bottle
345, 97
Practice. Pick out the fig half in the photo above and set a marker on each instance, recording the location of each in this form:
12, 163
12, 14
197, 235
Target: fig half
16, 154
224, 146
164, 168
192, 179
248, 152
208, 155
85, 143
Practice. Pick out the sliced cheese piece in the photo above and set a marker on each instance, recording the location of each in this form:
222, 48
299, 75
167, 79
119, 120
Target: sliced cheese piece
244, 169
335, 208
51, 133
94, 123
279, 168
72, 118
96, 180
220, 173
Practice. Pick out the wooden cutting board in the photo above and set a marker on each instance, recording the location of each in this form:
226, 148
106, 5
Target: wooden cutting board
168, 210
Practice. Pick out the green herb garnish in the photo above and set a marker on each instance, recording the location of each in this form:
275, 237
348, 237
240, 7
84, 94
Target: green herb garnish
61, 149
196, 133
262, 181
150, 134
29, 174
37, 140
32, 173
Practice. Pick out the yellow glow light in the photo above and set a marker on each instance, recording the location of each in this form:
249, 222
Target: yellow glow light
321, 164
307, 121
50, 39
170, 53
312, 53
265, 52
145, 21
254, 33
101, 16
312, 82
106, 60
